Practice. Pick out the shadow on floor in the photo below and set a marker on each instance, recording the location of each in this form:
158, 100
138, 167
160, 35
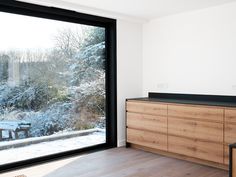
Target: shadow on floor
123, 162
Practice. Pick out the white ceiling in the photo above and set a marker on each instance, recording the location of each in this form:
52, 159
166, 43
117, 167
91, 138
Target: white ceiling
139, 9
148, 9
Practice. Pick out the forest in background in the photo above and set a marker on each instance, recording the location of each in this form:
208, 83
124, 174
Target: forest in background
58, 89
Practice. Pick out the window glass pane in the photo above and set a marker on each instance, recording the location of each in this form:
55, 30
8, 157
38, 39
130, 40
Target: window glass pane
52, 87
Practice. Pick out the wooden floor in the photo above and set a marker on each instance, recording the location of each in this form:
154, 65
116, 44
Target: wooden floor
120, 162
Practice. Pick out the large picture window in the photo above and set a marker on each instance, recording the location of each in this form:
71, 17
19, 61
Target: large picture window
57, 83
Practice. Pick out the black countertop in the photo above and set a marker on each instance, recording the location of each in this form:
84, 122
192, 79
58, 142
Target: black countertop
210, 100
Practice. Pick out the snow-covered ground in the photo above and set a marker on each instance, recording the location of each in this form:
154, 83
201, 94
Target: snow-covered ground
52, 147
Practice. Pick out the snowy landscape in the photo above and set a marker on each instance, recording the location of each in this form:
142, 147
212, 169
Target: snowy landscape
50, 147
52, 90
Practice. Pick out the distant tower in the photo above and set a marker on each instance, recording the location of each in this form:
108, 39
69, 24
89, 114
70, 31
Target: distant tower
13, 72
4, 59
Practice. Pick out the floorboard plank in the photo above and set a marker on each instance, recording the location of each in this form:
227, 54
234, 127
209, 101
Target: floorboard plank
123, 162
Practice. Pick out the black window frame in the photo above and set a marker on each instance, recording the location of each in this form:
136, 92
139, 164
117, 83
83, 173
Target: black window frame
28, 9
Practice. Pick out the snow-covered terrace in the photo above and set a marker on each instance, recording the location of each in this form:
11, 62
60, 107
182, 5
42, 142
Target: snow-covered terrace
36, 147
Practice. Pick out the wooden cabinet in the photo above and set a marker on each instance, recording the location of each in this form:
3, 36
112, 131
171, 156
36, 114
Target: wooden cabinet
233, 167
232, 164
147, 124
197, 130
147, 139
226, 154
147, 108
196, 112
230, 131
196, 148
194, 131
230, 116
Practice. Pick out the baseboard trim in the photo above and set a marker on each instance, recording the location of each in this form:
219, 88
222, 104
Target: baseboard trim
122, 143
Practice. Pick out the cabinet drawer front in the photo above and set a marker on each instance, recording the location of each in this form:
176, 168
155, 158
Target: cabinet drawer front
196, 112
147, 139
147, 108
226, 155
202, 150
230, 115
207, 131
147, 122
230, 133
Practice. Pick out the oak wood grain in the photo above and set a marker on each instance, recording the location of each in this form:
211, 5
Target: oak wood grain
208, 131
226, 154
148, 139
181, 157
196, 112
230, 116
194, 148
230, 133
147, 122
234, 163
147, 108
204, 131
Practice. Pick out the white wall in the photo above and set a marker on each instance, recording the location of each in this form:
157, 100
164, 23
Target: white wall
193, 52
129, 69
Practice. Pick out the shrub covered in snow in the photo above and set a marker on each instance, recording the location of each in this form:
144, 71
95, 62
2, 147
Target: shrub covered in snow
64, 92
